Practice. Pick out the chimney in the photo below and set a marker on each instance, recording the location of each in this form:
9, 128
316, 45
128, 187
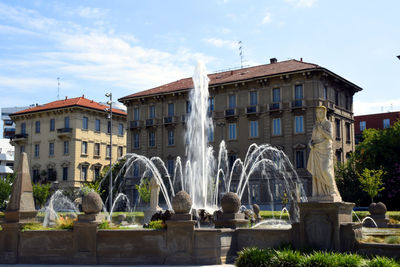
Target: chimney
301, 59
273, 60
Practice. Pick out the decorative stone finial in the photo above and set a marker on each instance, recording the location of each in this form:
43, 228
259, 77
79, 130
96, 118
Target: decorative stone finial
377, 208
181, 203
230, 203
21, 206
92, 203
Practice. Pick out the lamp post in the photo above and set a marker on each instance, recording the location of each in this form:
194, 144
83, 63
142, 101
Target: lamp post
110, 196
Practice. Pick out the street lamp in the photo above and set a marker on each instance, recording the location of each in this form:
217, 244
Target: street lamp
398, 56
110, 196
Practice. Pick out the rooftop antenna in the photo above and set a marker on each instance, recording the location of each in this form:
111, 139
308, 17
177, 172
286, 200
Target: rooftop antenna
58, 88
241, 54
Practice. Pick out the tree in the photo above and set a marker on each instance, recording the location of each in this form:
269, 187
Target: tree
5, 189
371, 182
144, 190
41, 193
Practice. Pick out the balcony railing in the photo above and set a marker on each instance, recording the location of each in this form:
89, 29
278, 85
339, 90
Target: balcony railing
134, 124
298, 103
275, 106
230, 112
252, 110
21, 136
149, 122
64, 132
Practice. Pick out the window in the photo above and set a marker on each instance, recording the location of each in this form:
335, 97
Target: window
36, 175
136, 140
97, 125
120, 151
253, 129
37, 150
51, 174
188, 107
348, 137
300, 159
171, 109
136, 114
276, 123
108, 151
84, 172
96, 172
298, 92
276, 95
232, 131
84, 147
51, 149
37, 127
337, 122
109, 127
171, 137
97, 149
325, 93
120, 129
170, 166
66, 122
65, 173
253, 98
210, 134
299, 124
136, 169
210, 104
363, 125
232, 101
231, 158
152, 139
66, 147
386, 123
348, 102
338, 156
152, 112
52, 125
23, 128
85, 123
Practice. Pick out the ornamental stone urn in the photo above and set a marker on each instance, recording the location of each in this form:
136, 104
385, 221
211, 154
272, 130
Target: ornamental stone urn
182, 204
230, 216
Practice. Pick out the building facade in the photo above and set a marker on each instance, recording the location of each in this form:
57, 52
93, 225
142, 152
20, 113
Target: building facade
6, 157
68, 141
376, 121
273, 103
8, 124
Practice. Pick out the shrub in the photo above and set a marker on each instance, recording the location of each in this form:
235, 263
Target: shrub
33, 227
157, 225
392, 239
254, 257
104, 225
349, 260
287, 258
65, 223
319, 259
382, 262
41, 193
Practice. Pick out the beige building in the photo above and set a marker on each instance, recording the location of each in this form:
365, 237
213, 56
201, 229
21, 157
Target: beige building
273, 103
68, 141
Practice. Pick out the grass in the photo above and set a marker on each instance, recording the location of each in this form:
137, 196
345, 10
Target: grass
287, 257
394, 216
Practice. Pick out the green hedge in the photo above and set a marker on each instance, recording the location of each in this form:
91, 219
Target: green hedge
254, 257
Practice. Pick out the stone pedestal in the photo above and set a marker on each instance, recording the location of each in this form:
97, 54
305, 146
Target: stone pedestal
85, 240
231, 220
180, 240
9, 243
320, 224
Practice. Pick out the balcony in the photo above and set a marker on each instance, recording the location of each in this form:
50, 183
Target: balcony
230, 112
20, 138
134, 124
149, 122
298, 103
252, 110
275, 106
64, 132
170, 120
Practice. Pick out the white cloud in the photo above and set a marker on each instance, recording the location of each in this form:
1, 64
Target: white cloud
267, 18
91, 13
301, 3
222, 43
364, 107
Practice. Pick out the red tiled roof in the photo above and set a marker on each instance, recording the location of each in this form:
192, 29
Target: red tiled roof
71, 102
231, 76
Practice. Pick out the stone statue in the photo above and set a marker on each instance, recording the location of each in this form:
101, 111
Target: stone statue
320, 161
154, 192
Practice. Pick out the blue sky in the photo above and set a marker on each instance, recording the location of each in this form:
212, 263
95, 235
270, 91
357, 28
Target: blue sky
128, 46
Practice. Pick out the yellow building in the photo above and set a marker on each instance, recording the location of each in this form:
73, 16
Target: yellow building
68, 141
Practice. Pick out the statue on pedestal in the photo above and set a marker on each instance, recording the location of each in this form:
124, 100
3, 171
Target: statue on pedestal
154, 197
320, 161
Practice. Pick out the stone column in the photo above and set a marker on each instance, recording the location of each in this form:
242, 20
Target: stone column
9, 239
320, 224
180, 231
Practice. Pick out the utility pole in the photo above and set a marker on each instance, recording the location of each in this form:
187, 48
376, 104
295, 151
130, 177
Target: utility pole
110, 196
